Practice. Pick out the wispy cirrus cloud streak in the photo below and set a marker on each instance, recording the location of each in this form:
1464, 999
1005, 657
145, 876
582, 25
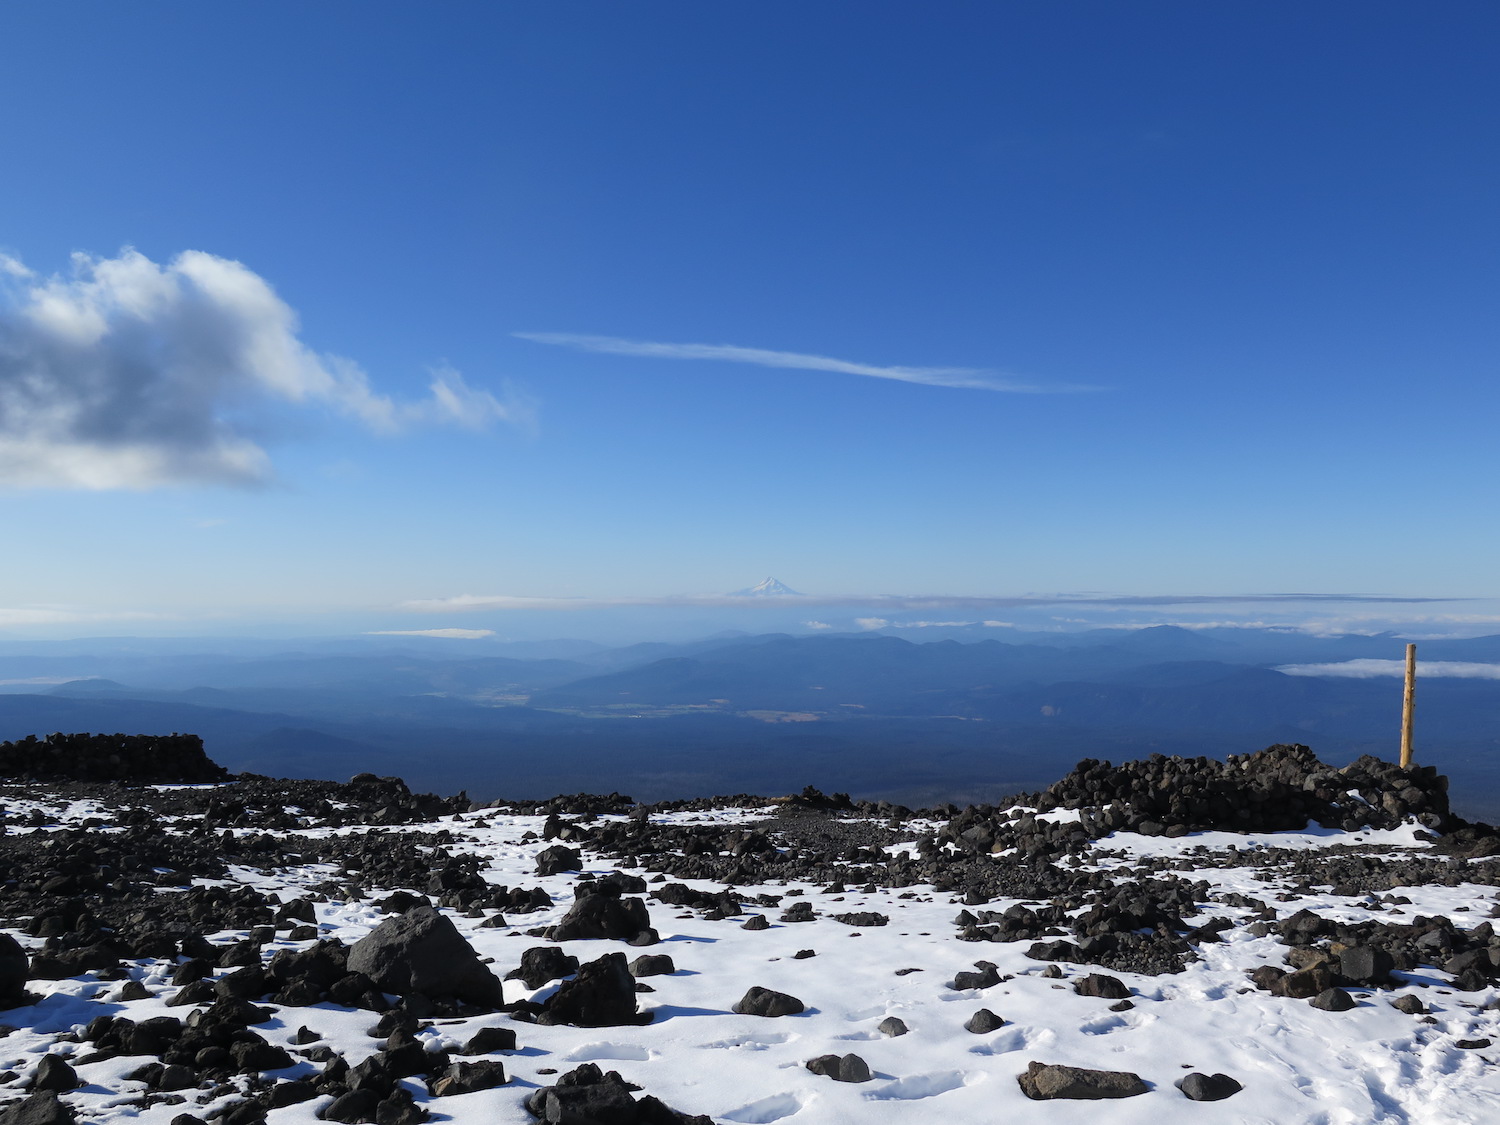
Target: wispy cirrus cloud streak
471, 603
966, 378
129, 374
441, 634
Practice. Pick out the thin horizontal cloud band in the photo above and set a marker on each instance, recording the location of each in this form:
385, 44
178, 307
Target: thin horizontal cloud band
964, 378
478, 602
1369, 669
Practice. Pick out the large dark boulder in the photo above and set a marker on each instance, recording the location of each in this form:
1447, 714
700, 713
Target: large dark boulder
601, 995
760, 1001
841, 1068
422, 953
1334, 1000
13, 969
557, 859
42, 1108
543, 963
466, 1078
53, 1073
1043, 1082
602, 916
1102, 985
586, 1096
489, 1039
983, 1022
1200, 1087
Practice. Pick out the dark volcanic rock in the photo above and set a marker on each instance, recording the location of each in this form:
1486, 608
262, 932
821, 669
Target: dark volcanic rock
1208, 1087
353, 1107
586, 1096
987, 977
862, 919
42, 1108
53, 1073
13, 969
601, 995
841, 1068
652, 965
489, 1039
465, 1078
1333, 1000
1365, 965
983, 1022
602, 915
1099, 984
1042, 1082
543, 963
422, 952
558, 858
760, 1001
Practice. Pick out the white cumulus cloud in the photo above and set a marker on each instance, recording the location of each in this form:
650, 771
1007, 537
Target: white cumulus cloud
127, 373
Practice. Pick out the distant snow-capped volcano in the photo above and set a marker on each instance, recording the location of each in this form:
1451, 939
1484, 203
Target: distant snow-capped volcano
770, 587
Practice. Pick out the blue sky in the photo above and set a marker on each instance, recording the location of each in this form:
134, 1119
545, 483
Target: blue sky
1218, 283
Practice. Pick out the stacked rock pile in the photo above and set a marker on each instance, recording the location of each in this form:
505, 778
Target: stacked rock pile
1279, 788
142, 758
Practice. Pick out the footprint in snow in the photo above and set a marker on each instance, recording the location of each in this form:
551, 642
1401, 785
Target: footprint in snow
623, 1052
919, 1086
766, 1110
750, 1042
1010, 1039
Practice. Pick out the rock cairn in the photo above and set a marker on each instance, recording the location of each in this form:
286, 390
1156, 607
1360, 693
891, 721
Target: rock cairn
141, 758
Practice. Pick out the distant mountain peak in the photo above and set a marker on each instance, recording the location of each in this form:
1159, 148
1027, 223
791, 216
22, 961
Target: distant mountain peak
770, 587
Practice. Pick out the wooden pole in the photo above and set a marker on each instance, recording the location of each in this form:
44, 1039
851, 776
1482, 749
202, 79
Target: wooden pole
1408, 705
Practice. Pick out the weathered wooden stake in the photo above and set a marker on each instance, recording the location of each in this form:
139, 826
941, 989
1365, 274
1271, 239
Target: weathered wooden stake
1408, 705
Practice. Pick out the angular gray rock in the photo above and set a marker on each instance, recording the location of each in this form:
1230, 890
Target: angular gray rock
421, 952
892, 1026
1043, 1082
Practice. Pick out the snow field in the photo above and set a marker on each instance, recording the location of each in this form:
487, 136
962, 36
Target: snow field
1369, 1066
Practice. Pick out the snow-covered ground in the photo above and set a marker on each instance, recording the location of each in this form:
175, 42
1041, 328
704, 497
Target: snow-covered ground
1373, 1065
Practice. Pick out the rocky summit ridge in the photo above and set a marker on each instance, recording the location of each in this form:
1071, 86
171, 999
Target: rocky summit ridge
183, 946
